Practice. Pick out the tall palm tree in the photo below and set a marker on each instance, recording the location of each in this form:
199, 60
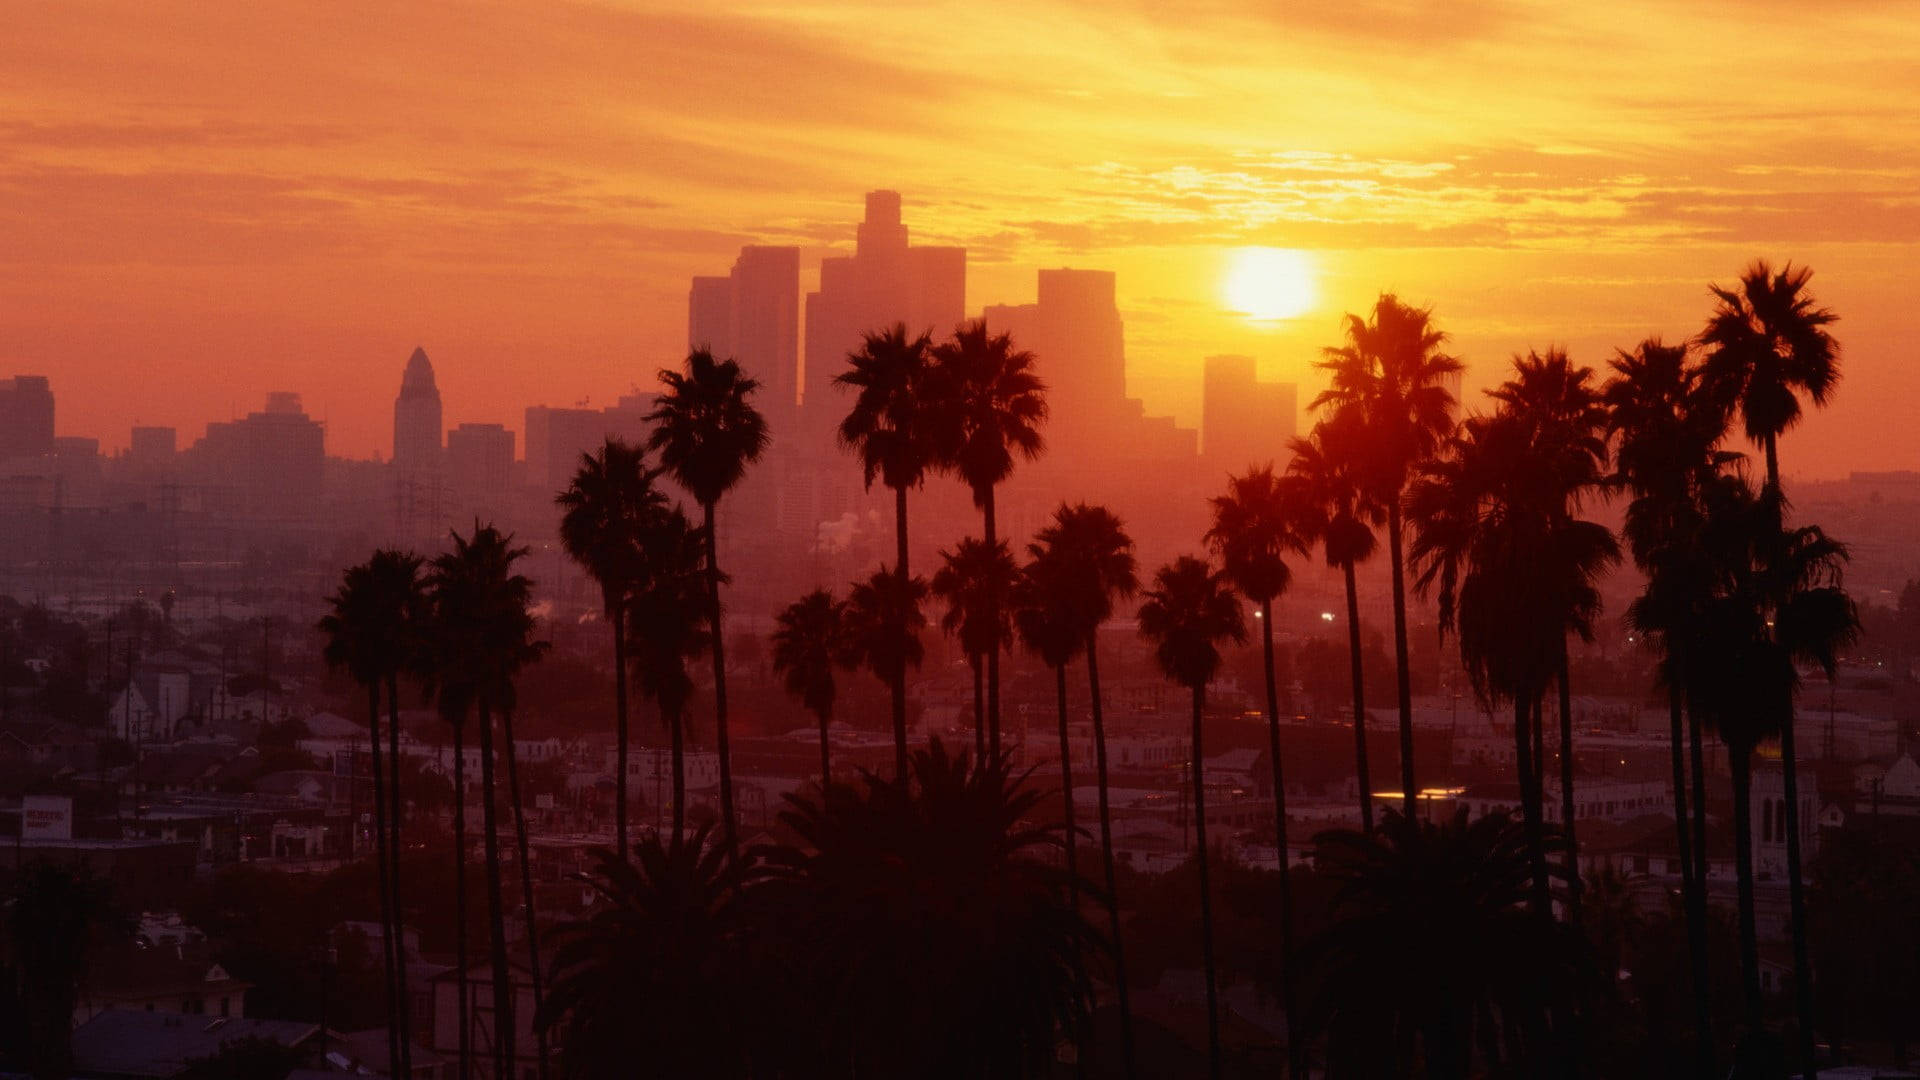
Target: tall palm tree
666, 635
1562, 404
1256, 524
1336, 513
895, 427
1042, 608
707, 432
883, 623
608, 507
976, 580
1088, 548
1767, 344
1186, 615
369, 630
1392, 375
993, 405
809, 641
1666, 451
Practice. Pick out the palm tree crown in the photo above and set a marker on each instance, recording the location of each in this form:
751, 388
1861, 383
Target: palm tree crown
1767, 344
809, 641
976, 580
993, 405
706, 430
1392, 373
610, 503
1088, 546
1255, 525
890, 425
373, 622
1187, 613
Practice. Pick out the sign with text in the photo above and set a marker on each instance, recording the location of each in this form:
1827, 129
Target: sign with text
46, 817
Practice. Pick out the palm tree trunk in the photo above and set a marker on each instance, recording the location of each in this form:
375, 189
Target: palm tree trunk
1700, 863
1796, 896
676, 733
1066, 786
1361, 775
727, 826
526, 881
978, 664
899, 677
617, 612
826, 749
993, 619
503, 1024
460, 893
1740, 762
1106, 852
1693, 890
1206, 888
1568, 806
1410, 791
1530, 804
384, 873
394, 849
1296, 1056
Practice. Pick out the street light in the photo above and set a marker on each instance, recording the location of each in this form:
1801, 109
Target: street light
1326, 616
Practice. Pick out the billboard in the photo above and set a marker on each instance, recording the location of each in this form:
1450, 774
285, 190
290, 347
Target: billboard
46, 817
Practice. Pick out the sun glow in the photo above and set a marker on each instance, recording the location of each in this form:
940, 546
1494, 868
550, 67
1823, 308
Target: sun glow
1270, 283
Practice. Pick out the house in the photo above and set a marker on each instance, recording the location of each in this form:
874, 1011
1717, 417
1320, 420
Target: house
481, 1020
126, 1044
171, 977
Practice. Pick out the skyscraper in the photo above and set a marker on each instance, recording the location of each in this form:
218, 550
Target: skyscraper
479, 462
1243, 420
416, 417
1076, 332
26, 416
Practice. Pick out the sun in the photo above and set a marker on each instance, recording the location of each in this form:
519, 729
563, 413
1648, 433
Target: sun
1270, 283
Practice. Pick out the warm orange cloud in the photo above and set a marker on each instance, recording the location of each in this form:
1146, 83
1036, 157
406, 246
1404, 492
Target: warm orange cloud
200, 204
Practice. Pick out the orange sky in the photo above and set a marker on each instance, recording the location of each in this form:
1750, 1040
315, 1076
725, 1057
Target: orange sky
200, 203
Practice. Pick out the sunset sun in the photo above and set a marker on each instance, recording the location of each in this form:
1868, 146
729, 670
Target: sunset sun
1270, 283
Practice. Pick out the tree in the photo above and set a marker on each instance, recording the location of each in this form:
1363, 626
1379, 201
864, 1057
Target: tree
894, 426
665, 633
1187, 613
1766, 344
1392, 375
976, 580
53, 919
992, 406
1255, 526
1088, 550
370, 630
1336, 513
607, 509
1041, 604
707, 432
809, 641
883, 623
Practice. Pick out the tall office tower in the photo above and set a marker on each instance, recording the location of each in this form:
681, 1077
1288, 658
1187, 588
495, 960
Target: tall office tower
1076, 336
26, 416
275, 458
710, 315
753, 316
416, 417
556, 438
151, 454
1244, 421
479, 460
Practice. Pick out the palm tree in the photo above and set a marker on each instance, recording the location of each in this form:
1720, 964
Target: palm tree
707, 432
1255, 526
1560, 402
666, 635
609, 506
1335, 512
809, 641
1666, 452
894, 426
1042, 607
369, 630
942, 872
1766, 344
1187, 613
883, 623
1391, 374
1088, 548
51, 919
976, 580
993, 405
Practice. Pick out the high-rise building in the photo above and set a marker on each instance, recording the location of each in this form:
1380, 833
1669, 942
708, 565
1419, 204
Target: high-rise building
416, 417
26, 416
1243, 420
557, 437
753, 316
710, 315
1074, 331
275, 458
479, 460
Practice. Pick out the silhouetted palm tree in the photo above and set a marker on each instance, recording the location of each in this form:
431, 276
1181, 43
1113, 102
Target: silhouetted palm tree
707, 432
1256, 524
1042, 605
1766, 344
895, 427
1088, 548
609, 506
51, 919
666, 634
1336, 513
1187, 613
809, 641
976, 580
1392, 375
1443, 907
883, 623
992, 406
1558, 400
940, 941
370, 629
652, 972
